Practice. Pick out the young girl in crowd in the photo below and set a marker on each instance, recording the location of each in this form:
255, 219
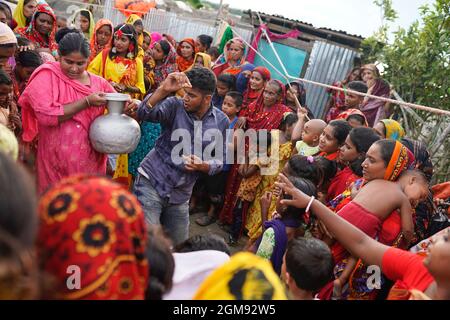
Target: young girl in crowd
278, 231
251, 178
102, 37
121, 67
277, 161
225, 84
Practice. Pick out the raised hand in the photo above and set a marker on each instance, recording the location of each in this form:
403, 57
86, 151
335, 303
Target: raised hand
176, 81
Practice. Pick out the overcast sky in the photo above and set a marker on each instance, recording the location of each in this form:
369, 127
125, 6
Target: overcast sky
359, 17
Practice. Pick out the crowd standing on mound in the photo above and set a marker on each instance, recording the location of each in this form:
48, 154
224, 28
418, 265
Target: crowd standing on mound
346, 193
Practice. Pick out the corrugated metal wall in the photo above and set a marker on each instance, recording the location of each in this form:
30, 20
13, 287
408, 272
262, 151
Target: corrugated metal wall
327, 63
179, 27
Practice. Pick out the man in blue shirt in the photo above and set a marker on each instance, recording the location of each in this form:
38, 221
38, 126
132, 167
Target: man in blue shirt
167, 175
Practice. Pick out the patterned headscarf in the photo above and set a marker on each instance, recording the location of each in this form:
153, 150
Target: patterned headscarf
394, 130
95, 48
97, 226
245, 277
399, 162
34, 36
222, 61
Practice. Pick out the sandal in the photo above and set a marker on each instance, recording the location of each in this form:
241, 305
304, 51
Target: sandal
205, 221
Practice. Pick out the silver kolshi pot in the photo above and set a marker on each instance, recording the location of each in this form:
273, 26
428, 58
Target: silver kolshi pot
115, 132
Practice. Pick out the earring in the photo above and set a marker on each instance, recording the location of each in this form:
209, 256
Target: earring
130, 55
114, 50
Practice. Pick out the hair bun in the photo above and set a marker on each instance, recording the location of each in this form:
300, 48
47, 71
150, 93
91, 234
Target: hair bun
64, 32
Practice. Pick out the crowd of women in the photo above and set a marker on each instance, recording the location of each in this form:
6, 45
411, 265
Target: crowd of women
348, 192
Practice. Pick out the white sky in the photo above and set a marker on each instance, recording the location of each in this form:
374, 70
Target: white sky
360, 17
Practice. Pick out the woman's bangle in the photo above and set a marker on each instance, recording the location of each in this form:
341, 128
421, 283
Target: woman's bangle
309, 204
87, 101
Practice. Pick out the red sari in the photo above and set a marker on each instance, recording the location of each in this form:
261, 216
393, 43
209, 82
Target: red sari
35, 37
257, 119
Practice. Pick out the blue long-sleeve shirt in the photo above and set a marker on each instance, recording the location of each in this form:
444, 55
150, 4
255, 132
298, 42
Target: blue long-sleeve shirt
162, 166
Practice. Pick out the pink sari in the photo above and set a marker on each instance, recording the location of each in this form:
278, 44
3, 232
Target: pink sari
64, 148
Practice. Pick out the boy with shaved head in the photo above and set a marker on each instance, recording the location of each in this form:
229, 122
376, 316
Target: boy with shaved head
307, 135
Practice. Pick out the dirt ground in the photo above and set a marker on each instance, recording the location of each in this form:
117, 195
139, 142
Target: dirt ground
195, 229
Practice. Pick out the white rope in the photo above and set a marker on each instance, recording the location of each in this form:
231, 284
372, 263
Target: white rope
287, 77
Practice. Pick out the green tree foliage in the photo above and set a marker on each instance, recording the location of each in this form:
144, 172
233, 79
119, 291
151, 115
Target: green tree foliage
196, 4
417, 65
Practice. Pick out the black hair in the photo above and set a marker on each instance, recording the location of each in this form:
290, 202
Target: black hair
341, 129
363, 139
205, 40
299, 166
18, 202
72, 40
237, 97
308, 188
357, 117
5, 78
310, 263
126, 29
203, 80
203, 242
288, 120
358, 86
29, 59
415, 173
214, 52
228, 79
161, 264
86, 14
328, 168
6, 9
22, 42
301, 94
387, 147
165, 46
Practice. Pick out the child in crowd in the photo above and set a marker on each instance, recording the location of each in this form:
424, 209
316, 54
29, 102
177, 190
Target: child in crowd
61, 22
278, 231
247, 190
272, 168
214, 54
308, 132
307, 267
215, 185
353, 101
404, 194
357, 120
225, 84
9, 114
332, 138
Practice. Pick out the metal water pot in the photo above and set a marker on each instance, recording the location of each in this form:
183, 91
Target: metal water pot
115, 132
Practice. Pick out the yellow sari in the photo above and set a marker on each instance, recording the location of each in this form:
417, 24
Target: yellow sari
253, 222
129, 72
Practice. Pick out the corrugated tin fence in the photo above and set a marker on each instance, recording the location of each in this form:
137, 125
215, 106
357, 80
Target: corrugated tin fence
178, 26
327, 64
